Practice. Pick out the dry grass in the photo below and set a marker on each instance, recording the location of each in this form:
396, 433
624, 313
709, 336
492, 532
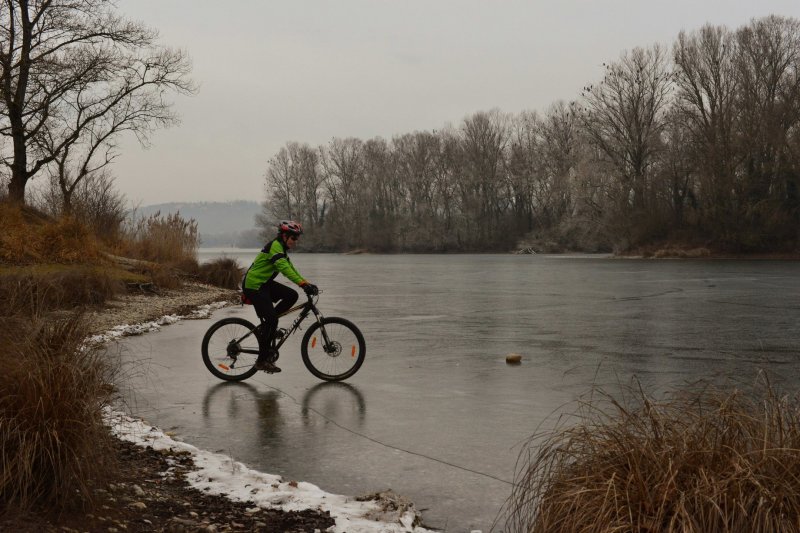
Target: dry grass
703, 460
42, 288
223, 272
30, 237
169, 242
169, 239
53, 440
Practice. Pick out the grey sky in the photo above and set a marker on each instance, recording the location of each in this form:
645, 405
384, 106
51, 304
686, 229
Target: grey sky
273, 71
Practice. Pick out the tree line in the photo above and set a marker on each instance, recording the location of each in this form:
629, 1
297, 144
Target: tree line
698, 143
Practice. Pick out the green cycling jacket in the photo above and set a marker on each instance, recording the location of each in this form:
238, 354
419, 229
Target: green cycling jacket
274, 258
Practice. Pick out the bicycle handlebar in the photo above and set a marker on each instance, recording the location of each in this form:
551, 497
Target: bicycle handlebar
311, 296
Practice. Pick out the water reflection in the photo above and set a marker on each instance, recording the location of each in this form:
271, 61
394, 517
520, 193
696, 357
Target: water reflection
334, 401
240, 402
230, 391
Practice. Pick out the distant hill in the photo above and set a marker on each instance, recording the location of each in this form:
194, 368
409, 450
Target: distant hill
219, 223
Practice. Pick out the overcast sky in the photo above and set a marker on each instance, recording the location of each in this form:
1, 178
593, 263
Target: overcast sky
273, 71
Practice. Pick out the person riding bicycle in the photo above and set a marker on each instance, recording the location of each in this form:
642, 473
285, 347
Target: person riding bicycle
270, 298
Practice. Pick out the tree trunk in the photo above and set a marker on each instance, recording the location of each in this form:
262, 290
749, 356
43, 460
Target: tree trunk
16, 188
15, 103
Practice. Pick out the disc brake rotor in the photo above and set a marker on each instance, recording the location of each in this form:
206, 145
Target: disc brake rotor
334, 349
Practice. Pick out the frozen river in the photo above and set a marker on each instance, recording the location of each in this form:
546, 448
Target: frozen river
435, 413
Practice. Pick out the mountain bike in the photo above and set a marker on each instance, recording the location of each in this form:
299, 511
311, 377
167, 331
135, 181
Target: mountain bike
333, 348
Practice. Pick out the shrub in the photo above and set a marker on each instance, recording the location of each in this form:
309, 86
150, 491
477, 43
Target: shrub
53, 439
222, 272
702, 460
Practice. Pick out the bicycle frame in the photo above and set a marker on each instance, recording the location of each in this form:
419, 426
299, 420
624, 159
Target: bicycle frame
305, 309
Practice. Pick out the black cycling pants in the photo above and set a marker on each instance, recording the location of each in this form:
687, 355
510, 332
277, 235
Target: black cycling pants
269, 301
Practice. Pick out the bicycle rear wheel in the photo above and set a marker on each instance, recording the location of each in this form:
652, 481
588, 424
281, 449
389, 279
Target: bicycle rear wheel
230, 349
337, 353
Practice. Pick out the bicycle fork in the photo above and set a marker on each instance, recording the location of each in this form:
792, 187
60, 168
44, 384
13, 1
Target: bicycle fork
327, 344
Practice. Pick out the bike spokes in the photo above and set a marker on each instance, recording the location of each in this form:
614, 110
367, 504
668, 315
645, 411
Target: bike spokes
334, 349
230, 349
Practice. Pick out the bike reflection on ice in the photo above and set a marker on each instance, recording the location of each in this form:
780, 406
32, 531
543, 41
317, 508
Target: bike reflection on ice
337, 402
334, 401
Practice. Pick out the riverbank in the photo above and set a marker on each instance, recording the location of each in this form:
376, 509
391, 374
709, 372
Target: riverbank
155, 486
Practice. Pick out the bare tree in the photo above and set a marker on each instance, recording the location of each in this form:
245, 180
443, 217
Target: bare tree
385, 196
81, 139
626, 117
768, 99
416, 154
542, 161
345, 185
281, 188
447, 172
74, 75
679, 173
484, 187
524, 160
705, 76
308, 176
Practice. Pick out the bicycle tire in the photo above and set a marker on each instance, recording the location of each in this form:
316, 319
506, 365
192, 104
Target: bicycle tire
343, 359
222, 362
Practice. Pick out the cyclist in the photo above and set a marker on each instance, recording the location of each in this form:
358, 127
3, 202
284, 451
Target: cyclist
269, 297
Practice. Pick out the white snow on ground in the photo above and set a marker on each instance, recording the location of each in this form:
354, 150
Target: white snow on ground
126, 330
220, 475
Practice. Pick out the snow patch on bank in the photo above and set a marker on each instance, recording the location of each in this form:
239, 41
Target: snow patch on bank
127, 330
220, 475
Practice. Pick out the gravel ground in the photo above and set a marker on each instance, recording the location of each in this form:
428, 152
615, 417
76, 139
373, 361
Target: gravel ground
147, 306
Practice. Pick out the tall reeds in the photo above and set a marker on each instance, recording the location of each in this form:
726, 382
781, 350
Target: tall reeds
168, 242
166, 239
53, 443
703, 460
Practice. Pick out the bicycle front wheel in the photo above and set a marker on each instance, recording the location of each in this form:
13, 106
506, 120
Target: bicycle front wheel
333, 350
230, 349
